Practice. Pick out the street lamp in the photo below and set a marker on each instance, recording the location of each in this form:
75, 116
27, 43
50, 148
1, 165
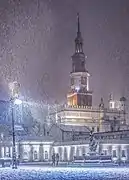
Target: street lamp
17, 101
14, 87
14, 158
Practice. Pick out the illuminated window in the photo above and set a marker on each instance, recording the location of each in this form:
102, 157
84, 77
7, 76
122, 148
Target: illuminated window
25, 156
7, 152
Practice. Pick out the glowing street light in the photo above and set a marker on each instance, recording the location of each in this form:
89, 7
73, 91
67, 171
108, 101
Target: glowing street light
17, 101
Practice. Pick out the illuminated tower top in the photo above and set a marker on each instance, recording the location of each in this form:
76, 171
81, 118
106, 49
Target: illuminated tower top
78, 59
79, 94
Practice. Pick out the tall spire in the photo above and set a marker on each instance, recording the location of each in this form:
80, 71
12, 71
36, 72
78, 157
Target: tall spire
78, 25
78, 40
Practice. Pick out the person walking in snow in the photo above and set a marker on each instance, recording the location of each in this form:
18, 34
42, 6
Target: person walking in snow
53, 159
57, 159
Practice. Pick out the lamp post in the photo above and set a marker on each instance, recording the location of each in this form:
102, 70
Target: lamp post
14, 159
14, 87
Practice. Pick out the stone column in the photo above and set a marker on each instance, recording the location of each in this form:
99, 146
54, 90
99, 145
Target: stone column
18, 149
68, 153
71, 153
100, 146
4, 151
65, 154
77, 151
60, 153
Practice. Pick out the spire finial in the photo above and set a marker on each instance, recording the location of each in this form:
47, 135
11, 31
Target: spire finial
78, 40
78, 24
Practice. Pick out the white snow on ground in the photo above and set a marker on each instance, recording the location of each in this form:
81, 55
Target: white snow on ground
54, 173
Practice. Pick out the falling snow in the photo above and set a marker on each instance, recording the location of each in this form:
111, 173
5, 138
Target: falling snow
37, 38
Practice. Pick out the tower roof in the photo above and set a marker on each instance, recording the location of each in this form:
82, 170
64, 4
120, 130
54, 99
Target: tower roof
78, 39
78, 26
78, 58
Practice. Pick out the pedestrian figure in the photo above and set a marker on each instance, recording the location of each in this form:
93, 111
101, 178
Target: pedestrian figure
18, 160
53, 159
57, 159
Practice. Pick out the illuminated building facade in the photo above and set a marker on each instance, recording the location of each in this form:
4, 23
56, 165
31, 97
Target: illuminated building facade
70, 125
79, 109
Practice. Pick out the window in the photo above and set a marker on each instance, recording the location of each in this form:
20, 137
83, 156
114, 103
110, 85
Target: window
93, 129
123, 153
97, 128
25, 156
79, 151
2, 136
7, 152
105, 152
46, 155
114, 153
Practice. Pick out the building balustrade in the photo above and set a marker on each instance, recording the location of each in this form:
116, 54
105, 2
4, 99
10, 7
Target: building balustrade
86, 108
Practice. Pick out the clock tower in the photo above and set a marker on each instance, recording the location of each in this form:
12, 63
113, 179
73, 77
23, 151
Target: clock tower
79, 94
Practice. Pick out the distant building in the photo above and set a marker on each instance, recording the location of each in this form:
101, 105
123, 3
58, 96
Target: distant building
69, 126
79, 109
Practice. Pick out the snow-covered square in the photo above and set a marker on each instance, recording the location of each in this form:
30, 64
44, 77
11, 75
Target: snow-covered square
54, 173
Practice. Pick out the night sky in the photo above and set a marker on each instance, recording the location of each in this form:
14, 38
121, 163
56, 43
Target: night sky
37, 42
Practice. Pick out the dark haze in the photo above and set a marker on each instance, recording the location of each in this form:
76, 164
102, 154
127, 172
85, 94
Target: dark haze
37, 42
